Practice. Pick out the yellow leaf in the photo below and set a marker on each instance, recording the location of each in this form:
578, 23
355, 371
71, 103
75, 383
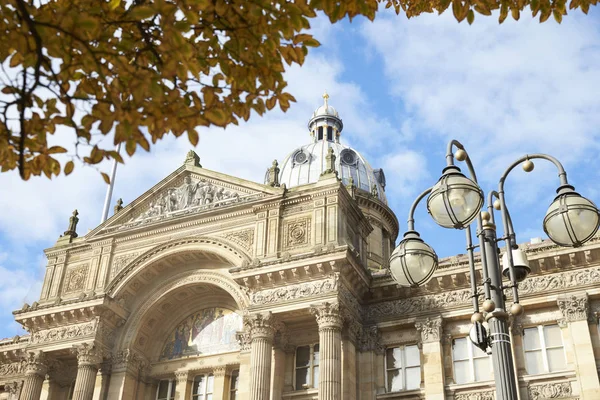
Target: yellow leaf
470, 17
113, 4
105, 177
557, 16
193, 137
216, 117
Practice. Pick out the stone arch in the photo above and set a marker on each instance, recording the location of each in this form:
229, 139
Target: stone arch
132, 327
220, 247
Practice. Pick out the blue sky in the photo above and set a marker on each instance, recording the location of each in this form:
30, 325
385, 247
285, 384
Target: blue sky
403, 88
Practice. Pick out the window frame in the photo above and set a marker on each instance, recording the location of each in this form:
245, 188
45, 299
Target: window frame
234, 378
311, 366
403, 368
471, 357
205, 393
544, 349
170, 388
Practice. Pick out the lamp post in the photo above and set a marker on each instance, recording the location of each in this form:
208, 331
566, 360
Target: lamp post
455, 201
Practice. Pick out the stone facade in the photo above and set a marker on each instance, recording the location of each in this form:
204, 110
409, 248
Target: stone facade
263, 292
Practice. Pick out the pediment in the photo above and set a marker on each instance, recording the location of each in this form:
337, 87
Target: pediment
189, 190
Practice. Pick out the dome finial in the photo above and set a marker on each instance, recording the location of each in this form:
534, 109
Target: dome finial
325, 98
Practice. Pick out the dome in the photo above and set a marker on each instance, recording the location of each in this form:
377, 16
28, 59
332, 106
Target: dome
306, 164
326, 110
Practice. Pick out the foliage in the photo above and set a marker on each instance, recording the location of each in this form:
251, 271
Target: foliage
147, 68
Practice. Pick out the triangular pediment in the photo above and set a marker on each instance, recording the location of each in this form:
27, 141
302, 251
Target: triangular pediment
188, 191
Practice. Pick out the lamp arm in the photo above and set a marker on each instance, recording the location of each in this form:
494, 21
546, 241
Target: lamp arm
411, 213
474, 294
562, 174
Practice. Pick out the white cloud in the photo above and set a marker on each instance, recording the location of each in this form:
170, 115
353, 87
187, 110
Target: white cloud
406, 171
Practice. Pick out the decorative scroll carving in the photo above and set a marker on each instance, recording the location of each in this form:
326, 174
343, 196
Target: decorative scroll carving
87, 354
75, 279
574, 308
296, 233
430, 329
260, 325
370, 340
487, 395
550, 391
64, 333
244, 340
244, 238
328, 315
121, 261
15, 368
128, 358
191, 197
293, 292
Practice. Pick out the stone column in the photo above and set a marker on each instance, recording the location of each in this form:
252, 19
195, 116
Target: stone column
575, 309
262, 331
330, 323
433, 367
126, 366
220, 384
183, 389
35, 373
278, 362
89, 358
102, 382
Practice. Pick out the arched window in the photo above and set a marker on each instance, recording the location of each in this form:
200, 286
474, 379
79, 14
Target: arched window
203, 387
307, 367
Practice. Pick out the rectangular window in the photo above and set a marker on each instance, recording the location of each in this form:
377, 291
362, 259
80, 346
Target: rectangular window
544, 351
307, 367
471, 364
166, 390
203, 387
233, 387
320, 133
330, 133
403, 368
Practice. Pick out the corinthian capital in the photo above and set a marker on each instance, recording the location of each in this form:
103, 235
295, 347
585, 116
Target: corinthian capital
35, 363
261, 325
430, 329
574, 307
328, 315
87, 354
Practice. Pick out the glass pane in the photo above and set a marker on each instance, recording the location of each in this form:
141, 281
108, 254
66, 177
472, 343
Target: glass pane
531, 339
235, 378
303, 356
552, 336
477, 352
316, 354
483, 369
301, 378
413, 378
172, 395
461, 372
460, 350
163, 389
395, 383
316, 377
556, 359
393, 358
210, 384
199, 383
412, 356
209, 396
534, 362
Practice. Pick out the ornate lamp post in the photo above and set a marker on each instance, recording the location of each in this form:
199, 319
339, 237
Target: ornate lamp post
455, 201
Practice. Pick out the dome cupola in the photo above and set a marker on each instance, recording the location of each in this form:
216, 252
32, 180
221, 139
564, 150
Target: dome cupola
325, 123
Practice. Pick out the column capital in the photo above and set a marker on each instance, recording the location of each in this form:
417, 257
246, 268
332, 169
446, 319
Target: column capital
182, 376
370, 340
430, 329
87, 354
261, 325
574, 307
35, 363
328, 315
220, 371
128, 359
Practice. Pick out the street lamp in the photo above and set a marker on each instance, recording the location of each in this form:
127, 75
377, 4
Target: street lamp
455, 201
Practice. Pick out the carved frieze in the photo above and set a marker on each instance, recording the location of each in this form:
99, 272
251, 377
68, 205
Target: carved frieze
482, 395
296, 233
293, 292
574, 307
370, 340
64, 333
430, 329
244, 238
244, 340
15, 368
75, 279
550, 391
120, 262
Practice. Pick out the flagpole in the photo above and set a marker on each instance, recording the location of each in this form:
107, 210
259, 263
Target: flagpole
113, 173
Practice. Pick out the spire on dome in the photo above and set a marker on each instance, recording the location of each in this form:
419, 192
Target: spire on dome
325, 98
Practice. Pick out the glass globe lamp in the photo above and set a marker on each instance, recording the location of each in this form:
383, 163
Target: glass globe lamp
413, 261
571, 219
455, 200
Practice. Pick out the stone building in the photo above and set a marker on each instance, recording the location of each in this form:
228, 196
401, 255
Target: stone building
208, 286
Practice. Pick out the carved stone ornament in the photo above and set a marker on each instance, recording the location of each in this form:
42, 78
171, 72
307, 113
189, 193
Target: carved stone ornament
574, 307
430, 329
120, 262
328, 315
487, 395
87, 354
182, 377
14, 388
296, 233
191, 197
370, 340
293, 292
550, 391
15, 368
64, 333
128, 358
260, 325
35, 363
243, 238
75, 279
244, 340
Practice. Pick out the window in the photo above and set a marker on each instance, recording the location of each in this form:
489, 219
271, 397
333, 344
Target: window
320, 135
403, 368
307, 367
330, 134
203, 387
233, 387
166, 390
544, 350
471, 364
